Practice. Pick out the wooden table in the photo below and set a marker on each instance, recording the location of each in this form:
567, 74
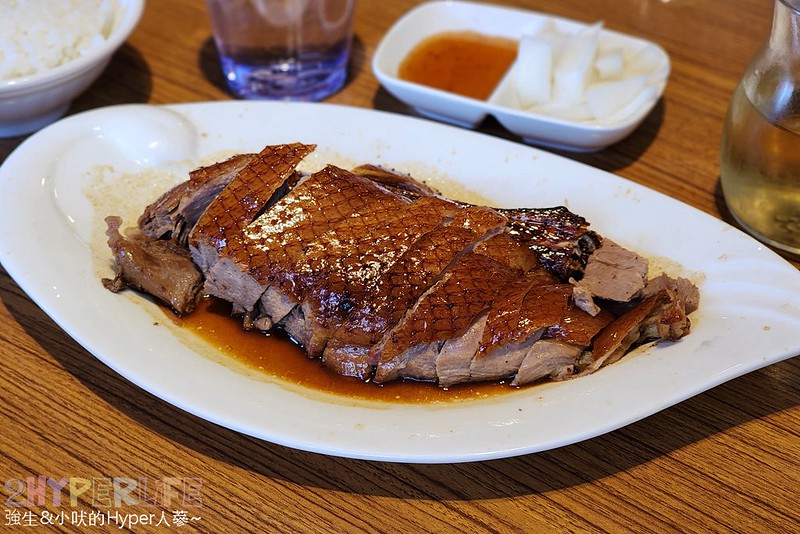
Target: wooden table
727, 460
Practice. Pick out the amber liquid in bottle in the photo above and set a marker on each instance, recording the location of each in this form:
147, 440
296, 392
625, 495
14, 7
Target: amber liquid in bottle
760, 170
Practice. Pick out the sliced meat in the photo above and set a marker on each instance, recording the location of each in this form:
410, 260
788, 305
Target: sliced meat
444, 312
455, 361
174, 214
556, 354
509, 334
402, 184
613, 273
685, 291
325, 244
157, 267
400, 286
286, 247
510, 314
254, 187
547, 358
216, 240
341, 270
660, 316
528, 295
496, 345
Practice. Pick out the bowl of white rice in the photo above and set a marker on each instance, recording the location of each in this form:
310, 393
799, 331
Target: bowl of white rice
51, 51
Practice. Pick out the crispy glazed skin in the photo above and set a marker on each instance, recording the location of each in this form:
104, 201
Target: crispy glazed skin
174, 214
385, 279
217, 242
444, 312
400, 286
221, 225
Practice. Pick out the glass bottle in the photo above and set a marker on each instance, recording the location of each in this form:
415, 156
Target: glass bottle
760, 152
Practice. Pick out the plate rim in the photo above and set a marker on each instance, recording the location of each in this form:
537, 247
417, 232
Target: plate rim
82, 124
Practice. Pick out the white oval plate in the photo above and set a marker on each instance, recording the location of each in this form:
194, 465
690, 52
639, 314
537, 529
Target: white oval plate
49, 229
431, 18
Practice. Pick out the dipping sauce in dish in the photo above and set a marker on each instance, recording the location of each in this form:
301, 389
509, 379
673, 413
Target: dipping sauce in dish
465, 62
277, 356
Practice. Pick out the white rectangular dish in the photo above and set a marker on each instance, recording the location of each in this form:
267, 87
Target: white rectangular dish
432, 18
52, 244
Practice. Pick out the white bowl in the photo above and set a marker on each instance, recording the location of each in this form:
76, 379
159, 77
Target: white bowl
442, 16
29, 103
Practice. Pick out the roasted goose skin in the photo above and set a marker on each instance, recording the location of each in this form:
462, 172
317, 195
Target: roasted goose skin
384, 279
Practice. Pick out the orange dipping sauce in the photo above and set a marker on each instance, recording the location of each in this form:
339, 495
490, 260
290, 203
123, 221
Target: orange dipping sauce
467, 63
276, 355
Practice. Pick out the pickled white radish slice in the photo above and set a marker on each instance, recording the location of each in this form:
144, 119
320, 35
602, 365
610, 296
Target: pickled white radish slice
606, 98
609, 64
582, 76
573, 65
534, 71
645, 61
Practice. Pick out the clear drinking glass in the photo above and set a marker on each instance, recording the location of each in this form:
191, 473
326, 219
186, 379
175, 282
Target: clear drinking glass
760, 152
283, 49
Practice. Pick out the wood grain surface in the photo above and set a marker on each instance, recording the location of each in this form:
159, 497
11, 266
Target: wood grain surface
727, 460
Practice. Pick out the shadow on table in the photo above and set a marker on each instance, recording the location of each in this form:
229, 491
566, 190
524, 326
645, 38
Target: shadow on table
769, 391
208, 61
126, 80
615, 157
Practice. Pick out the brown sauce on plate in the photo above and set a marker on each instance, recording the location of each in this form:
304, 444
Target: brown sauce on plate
467, 63
276, 355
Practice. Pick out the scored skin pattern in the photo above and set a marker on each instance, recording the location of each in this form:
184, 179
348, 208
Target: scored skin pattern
169, 215
349, 278
350, 229
400, 286
337, 271
276, 243
561, 239
577, 327
235, 207
511, 321
505, 249
507, 312
345, 265
541, 307
448, 310
201, 176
